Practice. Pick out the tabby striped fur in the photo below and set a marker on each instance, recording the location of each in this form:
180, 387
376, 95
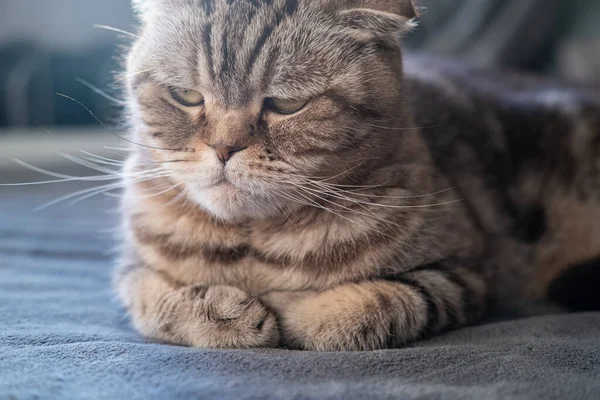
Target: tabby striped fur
388, 209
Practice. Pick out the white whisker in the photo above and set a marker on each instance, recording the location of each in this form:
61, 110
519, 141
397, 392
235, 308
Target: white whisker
167, 190
39, 183
182, 195
355, 193
113, 29
102, 158
344, 217
102, 162
370, 214
95, 190
63, 177
124, 77
78, 193
106, 127
100, 92
124, 149
98, 191
90, 165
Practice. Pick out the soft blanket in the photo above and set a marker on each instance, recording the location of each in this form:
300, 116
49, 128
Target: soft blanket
63, 336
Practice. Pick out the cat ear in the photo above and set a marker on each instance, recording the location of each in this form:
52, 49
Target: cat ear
378, 20
404, 8
367, 25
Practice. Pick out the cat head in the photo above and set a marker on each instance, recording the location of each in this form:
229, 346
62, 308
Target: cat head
253, 105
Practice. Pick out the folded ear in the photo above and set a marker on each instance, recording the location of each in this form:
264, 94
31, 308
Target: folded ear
404, 8
377, 20
365, 25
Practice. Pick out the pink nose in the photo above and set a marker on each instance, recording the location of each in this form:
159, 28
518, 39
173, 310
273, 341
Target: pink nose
225, 152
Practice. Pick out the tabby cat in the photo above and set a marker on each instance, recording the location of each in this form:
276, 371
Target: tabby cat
294, 181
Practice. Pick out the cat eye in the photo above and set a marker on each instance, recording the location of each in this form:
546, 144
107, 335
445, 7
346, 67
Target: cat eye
187, 97
285, 107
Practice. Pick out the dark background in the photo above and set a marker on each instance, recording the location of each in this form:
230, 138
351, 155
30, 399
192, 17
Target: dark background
49, 46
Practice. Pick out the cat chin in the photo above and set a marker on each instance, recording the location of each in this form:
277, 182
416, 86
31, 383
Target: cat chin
228, 203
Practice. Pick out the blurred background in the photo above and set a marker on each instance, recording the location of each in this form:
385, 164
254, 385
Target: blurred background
51, 46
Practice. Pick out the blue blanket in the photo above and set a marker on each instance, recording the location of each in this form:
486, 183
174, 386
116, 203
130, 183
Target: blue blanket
64, 336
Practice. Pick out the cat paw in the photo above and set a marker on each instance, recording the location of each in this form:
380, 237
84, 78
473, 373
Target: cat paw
362, 333
237, 320
336, 320
218, 317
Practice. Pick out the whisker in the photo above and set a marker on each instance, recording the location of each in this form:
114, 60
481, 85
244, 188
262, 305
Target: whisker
282, 210
90, 165
182, 195
170, 161
78, 193
101, 162
347, 209
357, 201
370, 214
102, 158
344, 217
96, 190
113, 29
333, 194
362, 187
100, 92
63, 177
80, 150
109, 130
161, 192
124, 149
105, 190
355, 193
126, 76
113, 195
39, 183
393, 128
343, 173
299, 201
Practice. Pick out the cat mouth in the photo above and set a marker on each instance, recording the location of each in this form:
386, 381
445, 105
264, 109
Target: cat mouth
226, 184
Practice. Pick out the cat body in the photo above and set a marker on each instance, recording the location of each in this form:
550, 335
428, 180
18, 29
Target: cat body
294, 181
524, 153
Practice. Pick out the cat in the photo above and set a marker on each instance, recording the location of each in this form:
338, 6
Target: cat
296, 180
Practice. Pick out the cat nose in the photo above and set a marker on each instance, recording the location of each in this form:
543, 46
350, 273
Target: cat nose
226, 152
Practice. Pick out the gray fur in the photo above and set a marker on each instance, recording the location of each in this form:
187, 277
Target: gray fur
380, 212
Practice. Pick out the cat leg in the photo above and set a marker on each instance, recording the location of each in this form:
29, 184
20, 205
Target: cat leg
381, 313
197, 316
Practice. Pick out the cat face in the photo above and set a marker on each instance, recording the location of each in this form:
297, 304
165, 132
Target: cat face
249, 105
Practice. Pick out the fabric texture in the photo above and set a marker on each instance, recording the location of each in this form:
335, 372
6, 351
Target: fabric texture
64, 336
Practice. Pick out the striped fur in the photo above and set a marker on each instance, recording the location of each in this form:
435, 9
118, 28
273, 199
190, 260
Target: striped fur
403, 200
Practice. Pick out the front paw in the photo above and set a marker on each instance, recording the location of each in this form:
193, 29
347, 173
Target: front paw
343, 319
237, 320
215, 317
